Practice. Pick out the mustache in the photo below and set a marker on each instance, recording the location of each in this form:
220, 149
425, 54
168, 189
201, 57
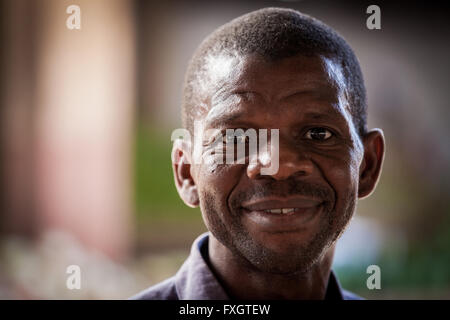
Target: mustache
284, 189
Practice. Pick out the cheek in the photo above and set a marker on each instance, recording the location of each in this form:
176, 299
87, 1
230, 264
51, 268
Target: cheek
343, 175
218, 180
215, 184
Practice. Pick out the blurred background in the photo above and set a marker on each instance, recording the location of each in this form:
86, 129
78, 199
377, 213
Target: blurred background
85, 123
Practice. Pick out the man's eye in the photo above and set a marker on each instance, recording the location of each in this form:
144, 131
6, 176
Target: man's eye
320, 134
236, 138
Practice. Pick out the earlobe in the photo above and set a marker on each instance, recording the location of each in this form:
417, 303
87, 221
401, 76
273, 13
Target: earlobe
184, 181
371, 164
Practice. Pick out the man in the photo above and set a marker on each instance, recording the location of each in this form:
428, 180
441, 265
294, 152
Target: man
272, 236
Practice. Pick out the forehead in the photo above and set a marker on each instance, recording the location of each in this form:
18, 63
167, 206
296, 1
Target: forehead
231, 80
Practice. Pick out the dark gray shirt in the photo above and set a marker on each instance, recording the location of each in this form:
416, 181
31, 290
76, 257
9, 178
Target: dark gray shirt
196, 281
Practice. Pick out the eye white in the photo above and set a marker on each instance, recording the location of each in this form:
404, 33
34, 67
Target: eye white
318, 135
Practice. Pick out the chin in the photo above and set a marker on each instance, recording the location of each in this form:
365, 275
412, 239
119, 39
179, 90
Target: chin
286, 265
288, 259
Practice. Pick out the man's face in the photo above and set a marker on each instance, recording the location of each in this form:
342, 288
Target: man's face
320, 154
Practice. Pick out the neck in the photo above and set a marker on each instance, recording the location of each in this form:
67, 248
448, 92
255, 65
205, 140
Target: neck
244, 282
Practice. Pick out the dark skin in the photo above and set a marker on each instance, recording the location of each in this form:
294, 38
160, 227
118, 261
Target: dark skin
324, 167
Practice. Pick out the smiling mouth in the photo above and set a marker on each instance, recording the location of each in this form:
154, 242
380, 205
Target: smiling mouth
282, 214
282, 211
281, 206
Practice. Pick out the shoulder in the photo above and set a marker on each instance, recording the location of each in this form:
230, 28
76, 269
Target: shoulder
347, 295
165, 290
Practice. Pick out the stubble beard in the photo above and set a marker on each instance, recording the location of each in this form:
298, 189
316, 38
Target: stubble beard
302, 257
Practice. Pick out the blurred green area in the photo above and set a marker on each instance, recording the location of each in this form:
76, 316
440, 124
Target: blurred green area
420, 271
156, 198
165, 226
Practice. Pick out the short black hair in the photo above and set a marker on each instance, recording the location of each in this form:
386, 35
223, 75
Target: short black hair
277, 33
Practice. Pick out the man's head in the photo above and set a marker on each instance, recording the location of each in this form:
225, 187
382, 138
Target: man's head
278, 69
274, 34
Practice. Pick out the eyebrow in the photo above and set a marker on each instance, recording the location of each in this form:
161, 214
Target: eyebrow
315, 88
225, 118
228, 118
332, 115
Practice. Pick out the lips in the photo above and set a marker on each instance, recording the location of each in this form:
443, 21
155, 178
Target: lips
282, 214
281, 211
281, 206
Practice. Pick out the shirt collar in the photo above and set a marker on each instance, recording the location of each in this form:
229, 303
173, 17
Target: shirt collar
196, 281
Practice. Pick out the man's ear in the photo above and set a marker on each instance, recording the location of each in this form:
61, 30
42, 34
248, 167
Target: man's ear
181, 165
370, 168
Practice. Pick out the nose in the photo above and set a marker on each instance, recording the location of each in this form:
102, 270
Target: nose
292, 162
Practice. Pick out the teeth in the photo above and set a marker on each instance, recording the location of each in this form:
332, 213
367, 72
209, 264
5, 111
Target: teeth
282, 210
